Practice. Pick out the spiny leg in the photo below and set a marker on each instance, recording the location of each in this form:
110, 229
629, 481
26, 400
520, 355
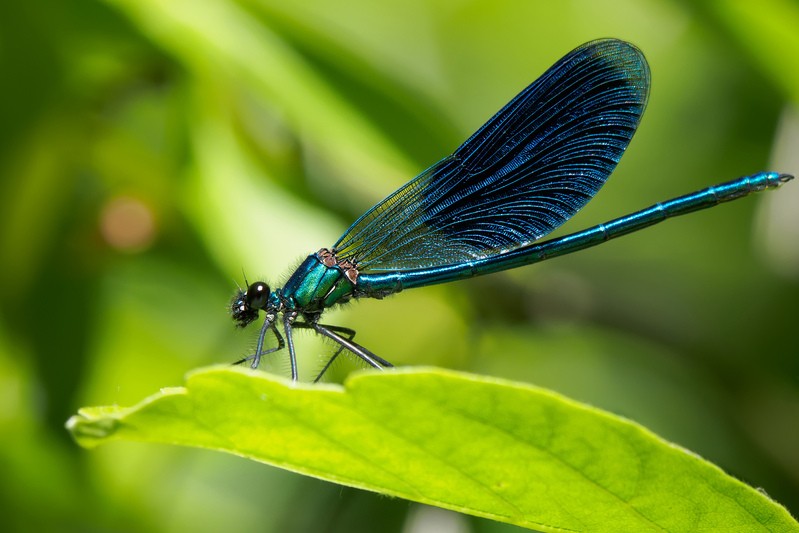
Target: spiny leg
350, 334
256, 357
327, 330
331, 332
327, 365
288, 320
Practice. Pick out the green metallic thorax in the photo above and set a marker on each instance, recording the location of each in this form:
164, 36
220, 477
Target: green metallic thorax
319, 282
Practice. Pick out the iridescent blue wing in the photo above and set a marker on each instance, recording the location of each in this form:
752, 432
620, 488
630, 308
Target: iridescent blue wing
530, 168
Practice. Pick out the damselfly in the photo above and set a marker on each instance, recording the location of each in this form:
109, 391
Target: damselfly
484, 208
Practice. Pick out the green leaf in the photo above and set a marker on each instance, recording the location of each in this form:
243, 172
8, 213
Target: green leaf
767, 32
491, 448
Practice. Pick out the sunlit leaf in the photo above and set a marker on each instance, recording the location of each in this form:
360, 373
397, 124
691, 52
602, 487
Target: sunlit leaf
490, 448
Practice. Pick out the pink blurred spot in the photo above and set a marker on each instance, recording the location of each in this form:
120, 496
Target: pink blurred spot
127, 224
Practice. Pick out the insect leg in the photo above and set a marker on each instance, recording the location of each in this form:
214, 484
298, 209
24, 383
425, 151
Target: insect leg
288, 321
256, 357
332, 332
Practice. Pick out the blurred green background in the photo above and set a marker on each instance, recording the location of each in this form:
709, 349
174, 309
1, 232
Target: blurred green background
150, 151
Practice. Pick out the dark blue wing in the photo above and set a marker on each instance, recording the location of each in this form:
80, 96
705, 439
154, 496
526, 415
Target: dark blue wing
524, 173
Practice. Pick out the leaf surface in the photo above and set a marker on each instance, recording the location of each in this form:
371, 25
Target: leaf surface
491, 448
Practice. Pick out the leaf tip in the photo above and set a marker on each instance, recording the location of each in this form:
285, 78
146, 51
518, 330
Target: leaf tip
89, 431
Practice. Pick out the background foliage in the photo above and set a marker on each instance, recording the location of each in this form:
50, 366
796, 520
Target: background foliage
151, 150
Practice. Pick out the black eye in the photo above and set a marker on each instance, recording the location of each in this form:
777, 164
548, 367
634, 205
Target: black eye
257, 295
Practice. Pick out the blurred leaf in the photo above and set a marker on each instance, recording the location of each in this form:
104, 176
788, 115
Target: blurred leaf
767, 31
496, 449
221, 40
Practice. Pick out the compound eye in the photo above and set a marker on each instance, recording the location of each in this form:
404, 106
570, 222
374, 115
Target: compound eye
257, 295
